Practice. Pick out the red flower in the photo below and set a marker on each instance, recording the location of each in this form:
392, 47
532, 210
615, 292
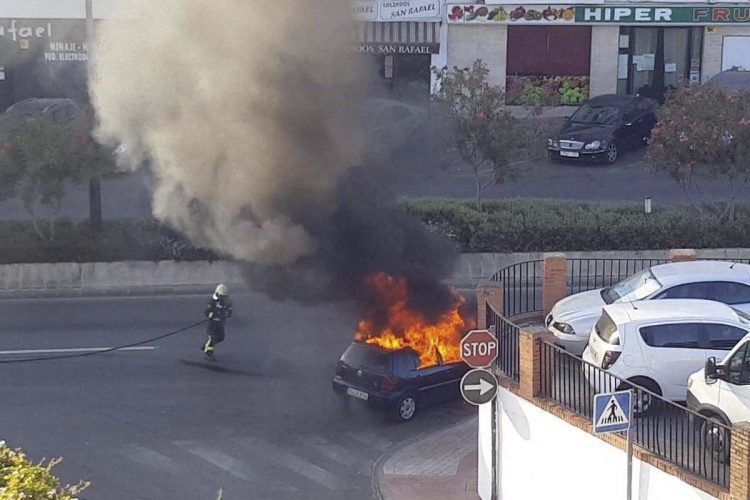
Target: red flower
744, 122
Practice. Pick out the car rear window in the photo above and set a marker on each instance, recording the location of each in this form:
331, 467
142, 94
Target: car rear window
606, 329
364, 356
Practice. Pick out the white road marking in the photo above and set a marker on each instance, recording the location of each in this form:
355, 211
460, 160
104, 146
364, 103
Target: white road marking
371, 439
336, 453
74, 349
234, 467
154, 459
295, 464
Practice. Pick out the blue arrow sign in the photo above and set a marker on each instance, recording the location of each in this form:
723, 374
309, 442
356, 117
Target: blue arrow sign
612, 412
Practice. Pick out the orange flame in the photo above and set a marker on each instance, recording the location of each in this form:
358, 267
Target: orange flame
405, 327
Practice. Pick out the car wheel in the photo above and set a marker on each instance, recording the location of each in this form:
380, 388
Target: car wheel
644, 403
714, 438
406, 408
611, 153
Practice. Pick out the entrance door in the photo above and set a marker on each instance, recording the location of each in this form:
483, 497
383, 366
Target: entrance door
658, 59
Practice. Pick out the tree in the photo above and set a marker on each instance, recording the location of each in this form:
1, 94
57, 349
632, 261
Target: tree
480, 126
703, 133
40, 157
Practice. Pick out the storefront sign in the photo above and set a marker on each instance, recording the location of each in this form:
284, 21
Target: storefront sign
596, 14
662, 14
396, 10
510, 14
395, 48
50, 41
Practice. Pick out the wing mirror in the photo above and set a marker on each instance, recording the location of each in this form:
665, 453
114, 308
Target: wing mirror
713, 371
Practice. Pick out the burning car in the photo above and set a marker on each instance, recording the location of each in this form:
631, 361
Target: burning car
403, 358
393, 380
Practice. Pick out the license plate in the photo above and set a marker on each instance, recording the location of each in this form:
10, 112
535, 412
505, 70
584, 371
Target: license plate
569, 154
357, 394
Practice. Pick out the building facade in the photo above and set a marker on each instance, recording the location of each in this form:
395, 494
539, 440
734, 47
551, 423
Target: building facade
401, 40
565, 53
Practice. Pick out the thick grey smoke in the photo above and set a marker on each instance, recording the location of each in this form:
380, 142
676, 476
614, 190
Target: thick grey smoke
247, 112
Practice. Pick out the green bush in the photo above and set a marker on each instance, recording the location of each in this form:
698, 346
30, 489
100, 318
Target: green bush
119, 240
535, 226
19, 478
501, 226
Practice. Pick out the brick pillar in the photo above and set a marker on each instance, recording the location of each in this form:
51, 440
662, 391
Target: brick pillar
739, 459
529, 364
492, 292
554, 280
682, 255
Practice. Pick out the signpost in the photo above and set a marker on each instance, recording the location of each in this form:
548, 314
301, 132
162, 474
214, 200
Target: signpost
613, 412
478, 386
478, 348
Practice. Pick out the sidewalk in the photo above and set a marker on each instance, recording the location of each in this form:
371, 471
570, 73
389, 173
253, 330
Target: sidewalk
439, 466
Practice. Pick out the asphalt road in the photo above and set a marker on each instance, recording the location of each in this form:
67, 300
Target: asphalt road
260, 422
419, 174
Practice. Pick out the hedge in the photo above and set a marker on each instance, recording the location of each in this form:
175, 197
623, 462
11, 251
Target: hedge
119, 240
501, 226
526, 225
20, 478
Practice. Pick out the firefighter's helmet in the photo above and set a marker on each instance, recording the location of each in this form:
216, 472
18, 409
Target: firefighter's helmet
222, 290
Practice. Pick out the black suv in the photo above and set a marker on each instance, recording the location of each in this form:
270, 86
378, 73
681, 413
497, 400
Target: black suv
393, 381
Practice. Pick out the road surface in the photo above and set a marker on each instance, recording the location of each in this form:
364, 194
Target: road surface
260, 422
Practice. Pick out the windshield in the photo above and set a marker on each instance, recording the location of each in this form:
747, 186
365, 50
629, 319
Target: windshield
600, 115
363, 356
637, 287
606, 329
743, 316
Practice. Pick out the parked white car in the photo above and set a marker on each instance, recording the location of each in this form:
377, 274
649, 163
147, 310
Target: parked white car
658, 344
571, 319
721, 391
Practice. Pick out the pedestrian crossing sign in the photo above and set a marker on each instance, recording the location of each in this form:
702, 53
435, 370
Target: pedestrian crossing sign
612, 412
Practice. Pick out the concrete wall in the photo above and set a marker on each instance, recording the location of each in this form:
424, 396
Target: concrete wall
542, 456
100, 276
466, 44
604, 51
713, 44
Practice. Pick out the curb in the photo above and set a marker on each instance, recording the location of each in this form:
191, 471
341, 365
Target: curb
376, 478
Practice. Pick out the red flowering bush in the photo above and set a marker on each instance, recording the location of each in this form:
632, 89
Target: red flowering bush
703, 133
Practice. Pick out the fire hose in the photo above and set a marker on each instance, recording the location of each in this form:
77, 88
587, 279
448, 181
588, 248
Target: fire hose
104, 351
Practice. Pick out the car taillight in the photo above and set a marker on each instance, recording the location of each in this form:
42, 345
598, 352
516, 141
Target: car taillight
340, 369
609, 359
389, 383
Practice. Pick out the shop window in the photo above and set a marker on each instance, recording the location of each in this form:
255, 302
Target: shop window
548, 64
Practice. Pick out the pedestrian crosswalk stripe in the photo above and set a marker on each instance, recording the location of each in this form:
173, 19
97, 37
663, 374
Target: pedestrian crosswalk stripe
336, 453
153, 459
295, 464
612, 414
233, 466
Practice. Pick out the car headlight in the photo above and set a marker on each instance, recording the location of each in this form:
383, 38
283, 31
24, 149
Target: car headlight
594, 145
565, 328
553, 143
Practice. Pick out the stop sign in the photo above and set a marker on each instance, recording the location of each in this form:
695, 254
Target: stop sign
478, 348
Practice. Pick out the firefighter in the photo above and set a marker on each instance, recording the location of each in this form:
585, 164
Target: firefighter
218, 310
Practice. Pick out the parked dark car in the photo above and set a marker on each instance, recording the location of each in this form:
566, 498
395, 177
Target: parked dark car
604, 127
391, 380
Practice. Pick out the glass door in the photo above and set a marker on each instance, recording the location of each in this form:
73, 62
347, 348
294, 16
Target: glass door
655, 60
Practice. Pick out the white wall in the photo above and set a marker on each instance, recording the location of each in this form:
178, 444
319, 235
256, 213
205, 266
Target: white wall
43, 9
713, 44
604, 52
542, 456
466, 44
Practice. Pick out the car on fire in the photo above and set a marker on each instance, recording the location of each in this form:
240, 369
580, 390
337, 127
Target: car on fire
393, 381
604, 127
